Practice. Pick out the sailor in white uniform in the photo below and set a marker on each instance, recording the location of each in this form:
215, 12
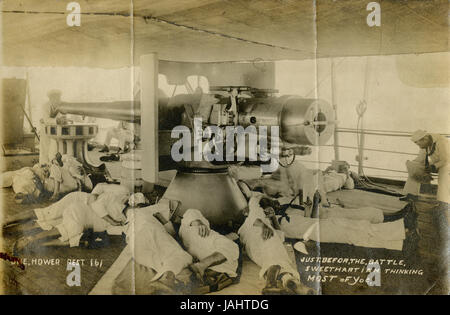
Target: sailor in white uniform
434, 157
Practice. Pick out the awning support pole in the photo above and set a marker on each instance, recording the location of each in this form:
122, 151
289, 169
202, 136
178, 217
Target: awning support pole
334, 104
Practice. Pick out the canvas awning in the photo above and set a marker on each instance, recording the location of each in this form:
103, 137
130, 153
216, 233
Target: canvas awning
114, 33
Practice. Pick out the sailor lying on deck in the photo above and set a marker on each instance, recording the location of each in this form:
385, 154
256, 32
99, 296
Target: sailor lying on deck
162, 266
360, 227
77, 171
26, 184
216, 254
29, 215
34, 184
101, 188
300, 178
334, 179
159, 263
263, 241
68, 218
291, 180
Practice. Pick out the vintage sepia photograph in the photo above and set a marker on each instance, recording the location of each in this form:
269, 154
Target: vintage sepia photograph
224, 148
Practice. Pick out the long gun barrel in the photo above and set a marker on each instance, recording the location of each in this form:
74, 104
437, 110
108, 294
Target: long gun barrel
122, 110
302, 121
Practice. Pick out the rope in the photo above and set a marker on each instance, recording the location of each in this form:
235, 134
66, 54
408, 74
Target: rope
380, 132
369, 167
360, 110
369, 149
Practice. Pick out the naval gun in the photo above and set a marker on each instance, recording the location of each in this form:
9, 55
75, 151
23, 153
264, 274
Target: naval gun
205, 184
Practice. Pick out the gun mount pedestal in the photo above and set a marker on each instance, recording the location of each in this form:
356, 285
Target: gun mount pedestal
213, 192
72, 139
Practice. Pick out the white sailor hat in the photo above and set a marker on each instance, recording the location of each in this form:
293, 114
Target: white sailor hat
136, 199
418, 134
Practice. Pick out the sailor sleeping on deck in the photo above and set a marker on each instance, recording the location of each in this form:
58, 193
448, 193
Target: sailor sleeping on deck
26, 183
71, 216
360, 227
31, 184
290, 180
158, 262
263, 241
65, 175
300, 178
214, 251
162, 266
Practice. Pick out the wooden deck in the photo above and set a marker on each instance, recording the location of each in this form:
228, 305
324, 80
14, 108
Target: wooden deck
39, 276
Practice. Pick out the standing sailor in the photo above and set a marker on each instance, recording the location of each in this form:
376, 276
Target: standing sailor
47, 146
434, 157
